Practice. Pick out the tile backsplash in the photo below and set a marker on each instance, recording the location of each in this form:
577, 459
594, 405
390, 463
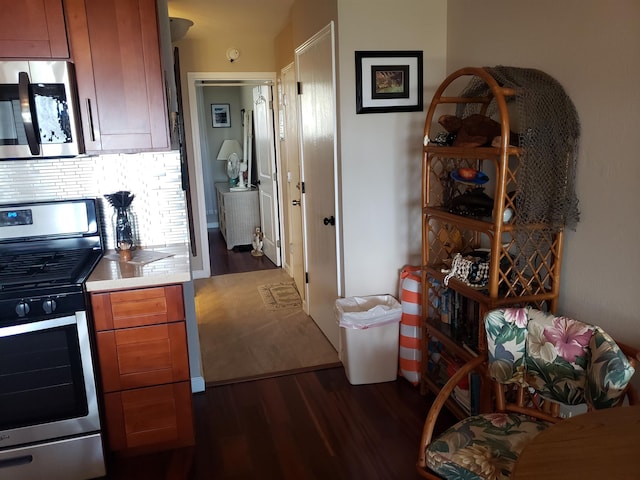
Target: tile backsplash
155, 179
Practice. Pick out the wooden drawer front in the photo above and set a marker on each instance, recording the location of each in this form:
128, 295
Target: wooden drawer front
153, 417
135, 308
143, 356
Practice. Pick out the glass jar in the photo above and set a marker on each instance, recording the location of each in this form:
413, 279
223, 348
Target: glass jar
124, 229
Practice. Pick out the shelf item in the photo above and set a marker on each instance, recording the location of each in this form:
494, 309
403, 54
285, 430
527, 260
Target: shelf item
471, 197
410, 323
238, 214
480, 178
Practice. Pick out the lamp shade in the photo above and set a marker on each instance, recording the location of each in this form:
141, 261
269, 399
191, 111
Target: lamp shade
179, 27
229, 147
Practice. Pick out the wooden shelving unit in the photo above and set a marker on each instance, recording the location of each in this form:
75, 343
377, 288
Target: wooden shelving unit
524, 261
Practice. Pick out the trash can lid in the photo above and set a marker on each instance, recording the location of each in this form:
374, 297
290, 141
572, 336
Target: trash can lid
366, 312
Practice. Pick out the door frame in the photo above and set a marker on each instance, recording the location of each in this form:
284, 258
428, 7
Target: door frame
196, 180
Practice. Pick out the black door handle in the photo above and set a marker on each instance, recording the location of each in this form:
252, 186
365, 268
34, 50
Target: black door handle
329, 221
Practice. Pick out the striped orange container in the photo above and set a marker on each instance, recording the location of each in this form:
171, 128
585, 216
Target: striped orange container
410, 324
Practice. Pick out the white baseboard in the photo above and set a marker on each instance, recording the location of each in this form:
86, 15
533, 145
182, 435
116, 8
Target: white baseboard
196, 274
197, 384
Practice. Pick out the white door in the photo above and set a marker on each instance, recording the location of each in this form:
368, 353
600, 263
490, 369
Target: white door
315, 72
266, 167
290, 159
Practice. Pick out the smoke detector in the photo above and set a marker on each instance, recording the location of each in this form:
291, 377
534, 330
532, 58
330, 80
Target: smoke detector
233, 54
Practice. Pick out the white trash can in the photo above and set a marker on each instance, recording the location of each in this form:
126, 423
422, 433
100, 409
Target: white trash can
369, 337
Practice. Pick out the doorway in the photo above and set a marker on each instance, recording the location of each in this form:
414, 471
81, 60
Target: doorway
238, 334
236, 95
319, 202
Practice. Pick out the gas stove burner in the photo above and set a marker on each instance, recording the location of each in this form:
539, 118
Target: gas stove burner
44, 264
42, 268
30, 265
46, 247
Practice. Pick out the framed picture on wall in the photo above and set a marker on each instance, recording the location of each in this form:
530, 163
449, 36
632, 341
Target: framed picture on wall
388, 81
220, 115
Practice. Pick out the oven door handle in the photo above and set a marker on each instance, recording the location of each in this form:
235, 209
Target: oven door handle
37, 326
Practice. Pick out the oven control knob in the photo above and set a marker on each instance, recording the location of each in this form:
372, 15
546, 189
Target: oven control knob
49, 305
22, 309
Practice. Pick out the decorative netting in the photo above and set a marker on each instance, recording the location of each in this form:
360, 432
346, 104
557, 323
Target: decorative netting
548, 134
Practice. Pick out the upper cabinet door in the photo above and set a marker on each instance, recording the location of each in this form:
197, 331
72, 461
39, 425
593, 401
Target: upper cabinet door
32, 29
116, 51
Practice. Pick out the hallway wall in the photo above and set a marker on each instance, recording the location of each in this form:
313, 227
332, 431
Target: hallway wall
381, 152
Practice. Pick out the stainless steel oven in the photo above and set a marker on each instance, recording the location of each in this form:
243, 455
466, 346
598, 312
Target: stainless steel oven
49, 419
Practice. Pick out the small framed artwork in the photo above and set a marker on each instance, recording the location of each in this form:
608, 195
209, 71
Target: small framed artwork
389, 81
220, 115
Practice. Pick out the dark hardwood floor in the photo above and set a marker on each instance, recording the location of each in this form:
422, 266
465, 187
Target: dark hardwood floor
304, 426
236, 260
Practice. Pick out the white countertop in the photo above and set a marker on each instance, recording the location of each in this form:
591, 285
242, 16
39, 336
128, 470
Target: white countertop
118, 275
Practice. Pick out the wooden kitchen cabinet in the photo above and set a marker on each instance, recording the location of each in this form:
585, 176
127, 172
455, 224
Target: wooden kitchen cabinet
150, 419
32, 29
116, 51
143, 356
144, 368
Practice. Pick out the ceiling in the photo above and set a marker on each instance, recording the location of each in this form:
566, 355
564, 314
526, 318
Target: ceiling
260, 17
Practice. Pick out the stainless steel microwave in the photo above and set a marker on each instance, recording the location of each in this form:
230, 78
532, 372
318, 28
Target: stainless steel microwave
38, 110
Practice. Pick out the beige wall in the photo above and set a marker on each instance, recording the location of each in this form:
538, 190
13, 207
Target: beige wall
308, 17
284, 47
592, 48
381, 152
209, 55
219, 25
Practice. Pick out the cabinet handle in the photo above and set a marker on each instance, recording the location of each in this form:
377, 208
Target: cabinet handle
90, 117
329, 220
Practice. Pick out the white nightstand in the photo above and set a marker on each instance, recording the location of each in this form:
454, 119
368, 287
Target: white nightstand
238, 214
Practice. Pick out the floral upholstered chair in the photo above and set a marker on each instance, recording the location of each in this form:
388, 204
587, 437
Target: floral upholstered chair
537, 362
